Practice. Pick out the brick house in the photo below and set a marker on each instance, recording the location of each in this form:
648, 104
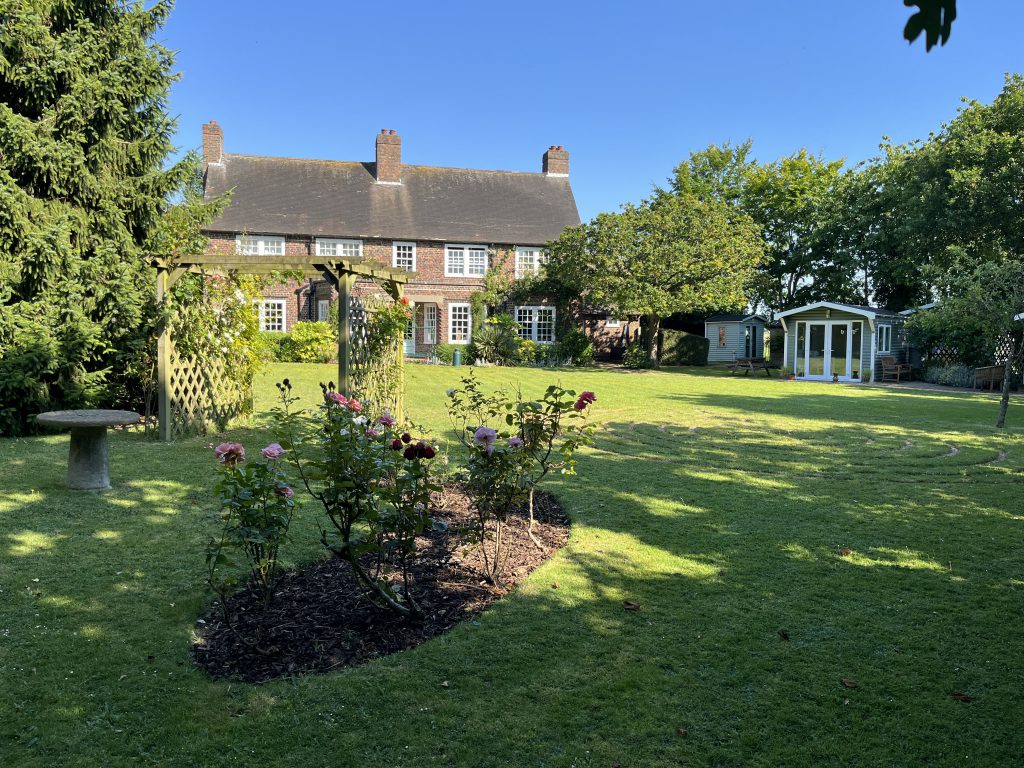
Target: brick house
447, 225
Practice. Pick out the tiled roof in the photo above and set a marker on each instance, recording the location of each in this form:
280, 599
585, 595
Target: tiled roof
285, 196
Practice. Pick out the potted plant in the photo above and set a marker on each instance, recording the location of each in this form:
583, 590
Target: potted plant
835, 378
788, 373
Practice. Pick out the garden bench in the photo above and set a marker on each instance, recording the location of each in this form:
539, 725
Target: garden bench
893, 370
88, 468
748, 364
989, 374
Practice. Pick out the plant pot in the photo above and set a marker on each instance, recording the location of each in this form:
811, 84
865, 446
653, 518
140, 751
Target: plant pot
792, 377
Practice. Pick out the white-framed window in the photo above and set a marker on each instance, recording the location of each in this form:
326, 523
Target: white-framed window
460, 323
342, 249
272, 315
612, 322
465, 260
537, 323
429, 323
529, 261
884, 339
259, 245
403, 256
323, 310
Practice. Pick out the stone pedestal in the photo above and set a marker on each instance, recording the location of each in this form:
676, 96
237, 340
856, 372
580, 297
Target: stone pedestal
88, 466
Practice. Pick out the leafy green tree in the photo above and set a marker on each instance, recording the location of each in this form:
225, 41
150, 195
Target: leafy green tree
84, 139
978, 313
934, 18
672, 253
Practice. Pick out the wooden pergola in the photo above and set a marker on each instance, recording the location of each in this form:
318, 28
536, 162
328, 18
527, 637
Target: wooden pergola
342, 274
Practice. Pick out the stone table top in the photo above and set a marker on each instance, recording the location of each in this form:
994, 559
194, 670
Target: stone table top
88, 418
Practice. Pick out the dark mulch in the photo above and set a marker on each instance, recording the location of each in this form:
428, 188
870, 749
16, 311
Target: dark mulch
320, 621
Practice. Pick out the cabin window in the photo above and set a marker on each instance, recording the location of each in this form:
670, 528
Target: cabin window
404, 256
884, 339
529, 261
612, 322
465, 261
271, 314
323, 310
460, 323
536, 323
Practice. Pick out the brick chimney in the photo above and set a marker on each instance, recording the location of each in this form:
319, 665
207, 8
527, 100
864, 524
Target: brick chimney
389, 157
556, 161
213, 143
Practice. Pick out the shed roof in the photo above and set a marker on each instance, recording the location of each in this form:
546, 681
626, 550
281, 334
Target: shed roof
733, 318
870, 312
285, 196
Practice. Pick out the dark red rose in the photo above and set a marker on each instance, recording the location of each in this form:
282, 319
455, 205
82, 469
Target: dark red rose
428, 452
396, 444
406, 438
410, 452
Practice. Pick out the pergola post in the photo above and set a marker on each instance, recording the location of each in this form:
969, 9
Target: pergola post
163, 361
346, 281
397, 290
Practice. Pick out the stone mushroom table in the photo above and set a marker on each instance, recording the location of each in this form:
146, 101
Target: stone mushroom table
88, 469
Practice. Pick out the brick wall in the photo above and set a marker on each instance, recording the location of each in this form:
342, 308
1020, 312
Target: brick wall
302, 296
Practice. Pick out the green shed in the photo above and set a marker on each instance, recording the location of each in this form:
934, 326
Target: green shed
733, 336
827, 339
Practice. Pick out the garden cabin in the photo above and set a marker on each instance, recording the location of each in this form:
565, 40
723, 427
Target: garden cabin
734, 336
825, 340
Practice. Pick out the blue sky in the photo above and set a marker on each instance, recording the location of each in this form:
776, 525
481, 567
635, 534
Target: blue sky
630, 89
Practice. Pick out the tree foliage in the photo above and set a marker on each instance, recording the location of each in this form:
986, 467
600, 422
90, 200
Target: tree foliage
934, 18
84, 137
676, 252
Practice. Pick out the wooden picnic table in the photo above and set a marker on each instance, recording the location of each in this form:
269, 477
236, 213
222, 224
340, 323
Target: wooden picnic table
748, 364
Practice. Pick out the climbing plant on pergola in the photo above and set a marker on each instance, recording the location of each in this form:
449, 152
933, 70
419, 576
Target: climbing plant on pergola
173, 376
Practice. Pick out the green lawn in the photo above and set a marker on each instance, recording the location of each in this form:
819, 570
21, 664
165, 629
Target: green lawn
719, 504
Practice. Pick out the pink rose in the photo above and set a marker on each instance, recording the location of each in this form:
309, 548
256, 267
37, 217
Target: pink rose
485, 438
273, 451
388, 420
371, 432
584, 400
229, 453
355, 405
337, 398
285, 491
515, 442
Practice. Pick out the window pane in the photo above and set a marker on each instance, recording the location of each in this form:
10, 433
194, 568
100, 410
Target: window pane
477, 261
459, 323
524, 316
455, 261
545, 324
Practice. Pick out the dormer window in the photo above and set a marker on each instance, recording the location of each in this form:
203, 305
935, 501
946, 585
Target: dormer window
341, 249
259, 245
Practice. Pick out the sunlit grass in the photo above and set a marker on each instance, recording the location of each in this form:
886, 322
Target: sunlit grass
730, 509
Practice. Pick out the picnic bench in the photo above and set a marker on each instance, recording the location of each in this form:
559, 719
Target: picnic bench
991, 375
748, 364
893, 369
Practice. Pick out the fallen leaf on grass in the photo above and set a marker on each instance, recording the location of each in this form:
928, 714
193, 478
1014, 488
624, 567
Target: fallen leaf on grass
784, 634
845, 552
848, 683
959, 696
683, 732
554, 585
445, 684
629, 605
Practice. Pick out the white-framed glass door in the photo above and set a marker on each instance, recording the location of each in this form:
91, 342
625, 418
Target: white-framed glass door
829, 348
409, 341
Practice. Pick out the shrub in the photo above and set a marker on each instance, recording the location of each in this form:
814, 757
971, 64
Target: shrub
576, 346
444, 353
276, 347
314, 342
527, 351
950, 375
256, 511
498, 341
682, 348
374, 483
635, 356
513, 444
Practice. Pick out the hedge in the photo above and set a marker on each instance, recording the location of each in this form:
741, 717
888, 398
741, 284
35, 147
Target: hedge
682, 348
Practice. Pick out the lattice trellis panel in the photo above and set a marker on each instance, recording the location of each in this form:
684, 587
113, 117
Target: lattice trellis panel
203, 398
376, 373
